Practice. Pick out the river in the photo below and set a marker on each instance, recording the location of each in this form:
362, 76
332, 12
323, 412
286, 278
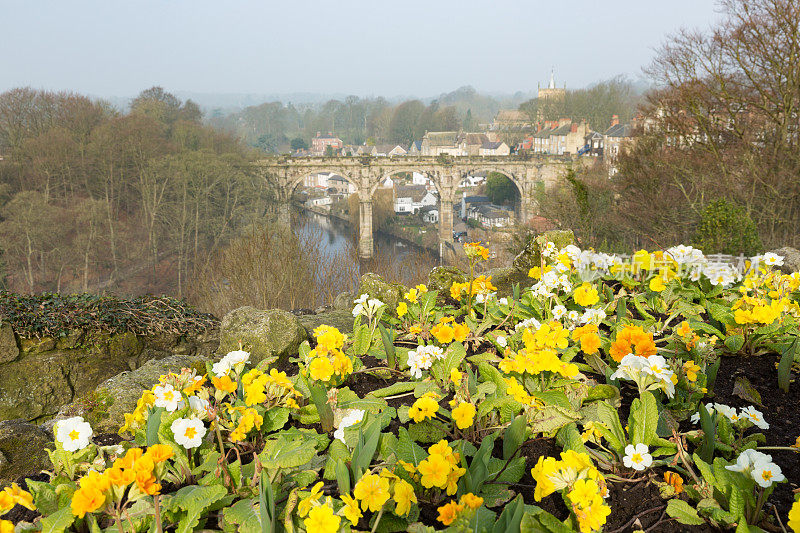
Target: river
338, 237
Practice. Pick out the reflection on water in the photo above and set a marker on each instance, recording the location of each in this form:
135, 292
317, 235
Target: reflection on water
340, 237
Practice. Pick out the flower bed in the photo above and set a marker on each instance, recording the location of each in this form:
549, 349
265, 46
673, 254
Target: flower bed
653, 395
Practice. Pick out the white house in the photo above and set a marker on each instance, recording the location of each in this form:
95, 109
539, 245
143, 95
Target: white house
319, 201
473, 181
411, 198
494, 148
430, 215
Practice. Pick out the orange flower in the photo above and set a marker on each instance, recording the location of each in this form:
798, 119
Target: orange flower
632, 339
448, 512
587, 336
460, 332
675, 481
225, 383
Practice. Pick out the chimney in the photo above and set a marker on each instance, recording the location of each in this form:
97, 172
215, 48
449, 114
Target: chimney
574, 128
614, 120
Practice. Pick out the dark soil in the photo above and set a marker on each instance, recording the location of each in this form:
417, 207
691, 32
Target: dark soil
781, 411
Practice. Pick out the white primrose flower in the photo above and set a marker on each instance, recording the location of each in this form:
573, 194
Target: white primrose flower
198, 404
501, 341
220, 368
73, 433
360, 302
422, 359
637, 457
755, 416
559, 311
503, 301
573, 316
771, 259
593, 316
167, 397
727, 411
647, 372
350, 419
237, 357
765, 473
529, 323
747, 460
188, 432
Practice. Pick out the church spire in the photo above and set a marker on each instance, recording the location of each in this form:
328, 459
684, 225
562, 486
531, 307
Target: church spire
552, 78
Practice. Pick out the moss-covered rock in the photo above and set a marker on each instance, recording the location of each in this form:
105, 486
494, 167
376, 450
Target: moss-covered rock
23, 450
791, 259
265, 334
344, 301
341, 320
504, 279
442, 277
105, 407
532, 254
376, 287
9, 350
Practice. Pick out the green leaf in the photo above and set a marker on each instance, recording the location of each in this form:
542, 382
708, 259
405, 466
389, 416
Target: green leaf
734, 343
643, 419
274, 419
570, 438
427, 431
602, 392
365, 448
453, 355
361, 340
785, 365
511, 517
551, 418
286, 453
395, 388
59, 521
514, 436
611, 427
342, 475
245, 515
408, 450
490, 373
194, 500
44, 496
542, 522
388, 346
153, 423
683, 513
319, 395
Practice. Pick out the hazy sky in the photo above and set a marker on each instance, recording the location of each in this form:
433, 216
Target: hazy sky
405, 47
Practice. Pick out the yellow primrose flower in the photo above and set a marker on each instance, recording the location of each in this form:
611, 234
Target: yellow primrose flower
455, 376
794, 516
402, 309
443, 333
322, 520
425, 407
434, 471
460, 332
657, 284
684, 330
691, 369
411, 296
350, 509
404, 496
464, 415
585, 295
321, 369
373, 491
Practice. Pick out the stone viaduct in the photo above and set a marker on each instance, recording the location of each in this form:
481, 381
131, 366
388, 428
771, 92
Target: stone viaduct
529, 174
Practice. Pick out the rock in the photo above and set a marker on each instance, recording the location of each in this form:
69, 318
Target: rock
9, 350
376, 287
791, 259
105, 407
344, 301
23, 447
265, 334
442, 277
531, 255
504, 279
38, 382
341, 320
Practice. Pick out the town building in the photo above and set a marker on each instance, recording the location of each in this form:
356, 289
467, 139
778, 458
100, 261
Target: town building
337, 185
430, 214
320, 143
615, 138
409, 199
490, 216
551, 92
494, 148
454, 143
511, 120
471, 201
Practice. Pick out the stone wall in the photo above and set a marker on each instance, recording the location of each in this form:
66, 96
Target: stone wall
38, 376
